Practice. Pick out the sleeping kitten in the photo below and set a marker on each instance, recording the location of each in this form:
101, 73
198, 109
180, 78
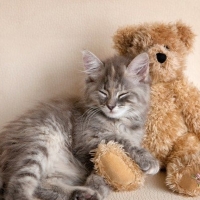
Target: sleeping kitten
45, 154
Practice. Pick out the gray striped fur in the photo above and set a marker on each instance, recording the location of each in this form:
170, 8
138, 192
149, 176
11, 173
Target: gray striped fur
44, 154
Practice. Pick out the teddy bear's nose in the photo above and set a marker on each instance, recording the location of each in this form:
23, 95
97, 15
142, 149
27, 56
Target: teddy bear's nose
161, 57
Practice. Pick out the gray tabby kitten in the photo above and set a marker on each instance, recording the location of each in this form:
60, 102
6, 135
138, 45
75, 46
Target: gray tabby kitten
45, 153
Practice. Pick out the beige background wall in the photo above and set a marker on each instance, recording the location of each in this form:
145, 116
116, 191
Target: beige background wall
41, 41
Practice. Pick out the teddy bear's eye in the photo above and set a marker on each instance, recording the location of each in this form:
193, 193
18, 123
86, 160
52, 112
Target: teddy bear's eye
167, 47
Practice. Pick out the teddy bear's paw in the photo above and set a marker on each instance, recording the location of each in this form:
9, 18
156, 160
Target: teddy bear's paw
150, 166
85, 195
186, 180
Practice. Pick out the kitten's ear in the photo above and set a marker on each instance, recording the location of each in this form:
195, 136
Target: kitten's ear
91, 63
138, 69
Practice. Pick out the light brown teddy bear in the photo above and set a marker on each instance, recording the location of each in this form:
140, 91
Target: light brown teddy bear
173, 125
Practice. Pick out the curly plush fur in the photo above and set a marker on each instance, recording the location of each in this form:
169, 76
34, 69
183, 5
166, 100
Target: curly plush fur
173, 125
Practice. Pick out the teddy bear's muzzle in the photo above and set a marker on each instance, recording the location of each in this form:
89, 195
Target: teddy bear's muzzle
161, 57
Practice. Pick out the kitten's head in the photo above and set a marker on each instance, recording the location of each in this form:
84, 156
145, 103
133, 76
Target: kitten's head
118, 87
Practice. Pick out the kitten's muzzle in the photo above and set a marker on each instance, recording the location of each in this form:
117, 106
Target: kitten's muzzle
111, 107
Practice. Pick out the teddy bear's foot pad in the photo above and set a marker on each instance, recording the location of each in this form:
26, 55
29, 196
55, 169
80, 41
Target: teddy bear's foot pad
190, 182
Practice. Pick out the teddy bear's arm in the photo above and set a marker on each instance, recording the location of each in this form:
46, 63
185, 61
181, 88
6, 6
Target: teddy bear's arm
188, 99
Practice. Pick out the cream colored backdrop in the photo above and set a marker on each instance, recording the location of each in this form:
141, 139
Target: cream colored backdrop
41, 43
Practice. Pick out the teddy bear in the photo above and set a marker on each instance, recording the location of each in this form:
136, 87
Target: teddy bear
173, 123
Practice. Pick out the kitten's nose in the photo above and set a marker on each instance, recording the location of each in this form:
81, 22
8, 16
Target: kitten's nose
161, 57
111, 107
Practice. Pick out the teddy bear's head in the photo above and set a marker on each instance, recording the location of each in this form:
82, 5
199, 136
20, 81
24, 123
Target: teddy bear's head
166, 44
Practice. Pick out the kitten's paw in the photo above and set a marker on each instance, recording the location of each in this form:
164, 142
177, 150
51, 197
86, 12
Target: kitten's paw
150, 166
85, 195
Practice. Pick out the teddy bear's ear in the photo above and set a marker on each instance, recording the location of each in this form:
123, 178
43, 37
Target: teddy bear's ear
185, 34
131, 39
123, 39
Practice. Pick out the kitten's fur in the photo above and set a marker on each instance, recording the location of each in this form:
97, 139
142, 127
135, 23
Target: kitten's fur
45, 153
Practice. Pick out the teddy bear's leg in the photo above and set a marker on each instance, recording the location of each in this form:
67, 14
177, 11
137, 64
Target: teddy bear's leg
183, 168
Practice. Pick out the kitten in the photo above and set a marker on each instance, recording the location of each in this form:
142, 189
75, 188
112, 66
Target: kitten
45, 154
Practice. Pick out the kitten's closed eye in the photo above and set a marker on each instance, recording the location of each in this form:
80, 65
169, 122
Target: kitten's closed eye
103, 93
123, 95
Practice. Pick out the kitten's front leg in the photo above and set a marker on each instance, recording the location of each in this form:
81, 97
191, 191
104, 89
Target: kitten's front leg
146, 161
97, 183
94, 183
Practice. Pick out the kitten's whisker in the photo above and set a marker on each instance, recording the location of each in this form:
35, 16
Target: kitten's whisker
87, 114
84, 116
134, 115
90, 115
